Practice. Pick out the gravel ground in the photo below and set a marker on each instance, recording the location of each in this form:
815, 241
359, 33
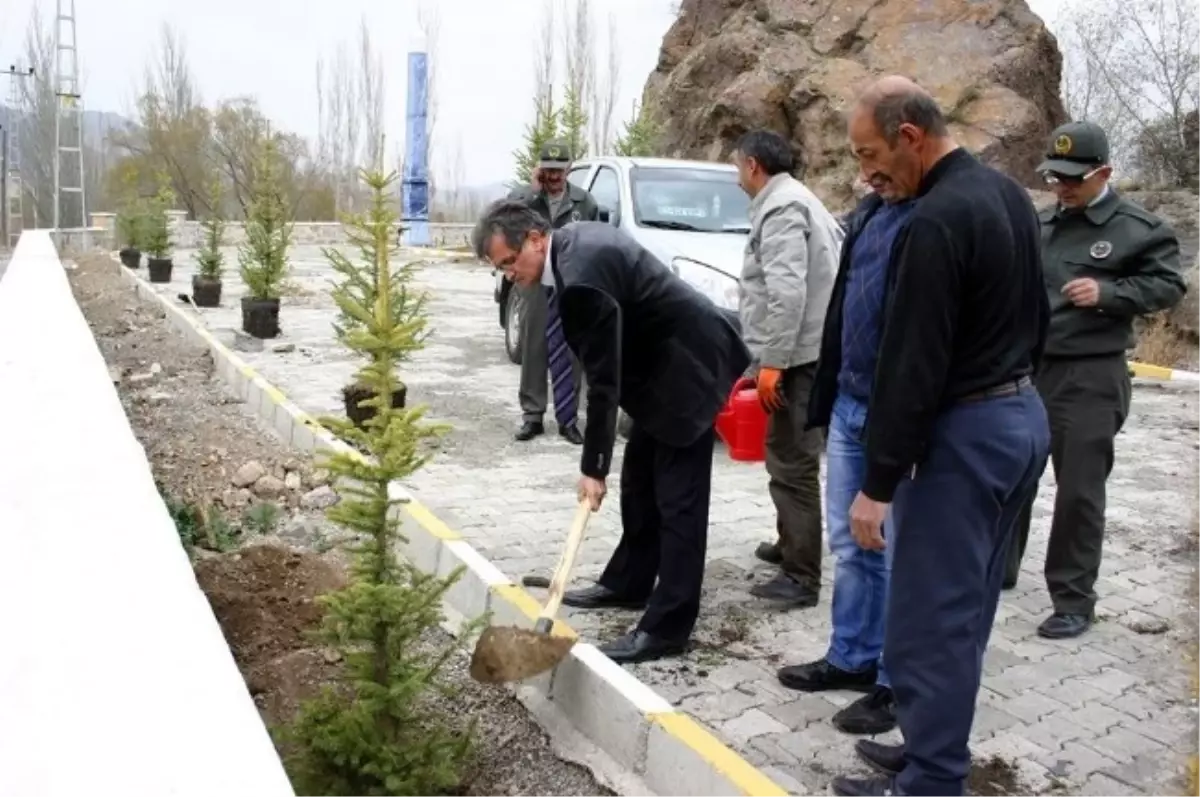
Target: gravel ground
199, 441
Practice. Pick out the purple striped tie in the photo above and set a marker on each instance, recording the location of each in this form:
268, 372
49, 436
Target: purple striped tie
560, 366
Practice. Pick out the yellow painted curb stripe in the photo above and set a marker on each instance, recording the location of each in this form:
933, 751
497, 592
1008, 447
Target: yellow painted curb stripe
429, 521
275, 394
1150, 371
529, 607
745, 777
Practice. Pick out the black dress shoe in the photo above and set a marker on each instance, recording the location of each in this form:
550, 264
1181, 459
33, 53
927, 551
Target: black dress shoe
821, 676
785, 590
769, 552
886, 759
871, 714
1064, 626
571, 435
639, 646
599, 597
529, 430
862, 787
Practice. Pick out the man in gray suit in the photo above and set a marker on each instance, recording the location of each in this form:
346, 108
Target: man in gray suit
559, 203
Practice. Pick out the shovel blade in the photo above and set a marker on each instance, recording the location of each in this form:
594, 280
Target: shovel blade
505, 654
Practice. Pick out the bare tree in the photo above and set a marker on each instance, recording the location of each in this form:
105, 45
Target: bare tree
35, 125
346, 93
607, 90
544, 60
338, 114
429, 19
579, 57
1133, 67
174, 130
371, 97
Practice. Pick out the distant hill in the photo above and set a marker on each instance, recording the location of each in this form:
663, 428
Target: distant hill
97, 125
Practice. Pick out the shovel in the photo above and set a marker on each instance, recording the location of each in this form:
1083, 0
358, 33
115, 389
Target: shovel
506, 653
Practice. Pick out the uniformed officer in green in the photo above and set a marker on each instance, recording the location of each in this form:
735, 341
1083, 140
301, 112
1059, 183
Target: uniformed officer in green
560, 202
1106, 260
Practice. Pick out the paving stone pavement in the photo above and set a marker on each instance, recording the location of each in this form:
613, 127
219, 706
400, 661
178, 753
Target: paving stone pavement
1109, 712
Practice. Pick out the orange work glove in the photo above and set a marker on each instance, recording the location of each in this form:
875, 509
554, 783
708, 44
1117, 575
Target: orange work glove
770, 389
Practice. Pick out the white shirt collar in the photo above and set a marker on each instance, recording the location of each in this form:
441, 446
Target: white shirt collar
1099, 197
548, 271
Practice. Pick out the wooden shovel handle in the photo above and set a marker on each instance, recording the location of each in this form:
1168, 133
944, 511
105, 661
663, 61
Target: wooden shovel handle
558, 584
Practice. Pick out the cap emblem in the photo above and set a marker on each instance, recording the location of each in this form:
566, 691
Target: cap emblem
1062, 145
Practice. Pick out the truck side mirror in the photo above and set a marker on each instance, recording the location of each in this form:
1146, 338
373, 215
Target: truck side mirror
603, 214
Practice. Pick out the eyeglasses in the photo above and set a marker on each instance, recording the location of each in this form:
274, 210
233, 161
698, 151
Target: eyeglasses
1053, 178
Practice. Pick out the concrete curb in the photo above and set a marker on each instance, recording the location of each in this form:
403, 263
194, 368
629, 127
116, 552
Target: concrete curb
637, 728
1147, 371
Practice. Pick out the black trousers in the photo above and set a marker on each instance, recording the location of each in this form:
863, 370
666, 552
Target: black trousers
1087, 401
664, 531
794, 465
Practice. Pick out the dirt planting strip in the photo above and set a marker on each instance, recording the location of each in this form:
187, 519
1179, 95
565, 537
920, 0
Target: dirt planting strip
273, 554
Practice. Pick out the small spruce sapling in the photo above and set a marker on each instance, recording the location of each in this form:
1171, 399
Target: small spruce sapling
358, 286
130, 224
157, 234
375, 731
262, 257
209, 260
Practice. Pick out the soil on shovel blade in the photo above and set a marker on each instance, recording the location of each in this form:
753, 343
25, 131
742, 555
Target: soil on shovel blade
264, 593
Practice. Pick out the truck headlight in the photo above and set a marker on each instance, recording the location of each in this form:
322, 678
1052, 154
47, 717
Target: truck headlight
720, 288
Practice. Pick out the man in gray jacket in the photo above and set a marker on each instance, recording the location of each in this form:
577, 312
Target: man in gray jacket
791, 260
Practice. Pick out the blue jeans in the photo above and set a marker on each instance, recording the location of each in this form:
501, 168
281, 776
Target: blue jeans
860, 581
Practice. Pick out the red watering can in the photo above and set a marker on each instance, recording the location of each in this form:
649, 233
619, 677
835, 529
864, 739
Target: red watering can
742, 424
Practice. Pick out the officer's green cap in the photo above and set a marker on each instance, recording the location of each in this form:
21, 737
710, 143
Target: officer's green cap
1075, 149
555, 154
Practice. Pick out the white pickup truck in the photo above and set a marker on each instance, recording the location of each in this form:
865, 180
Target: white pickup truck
690, 214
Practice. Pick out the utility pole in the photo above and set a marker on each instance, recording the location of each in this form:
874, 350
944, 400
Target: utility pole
4, 184
12, 209
68, 150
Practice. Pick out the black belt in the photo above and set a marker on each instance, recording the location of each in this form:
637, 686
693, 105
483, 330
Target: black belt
1010, 388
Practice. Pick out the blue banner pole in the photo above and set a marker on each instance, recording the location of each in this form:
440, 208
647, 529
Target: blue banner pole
415, 179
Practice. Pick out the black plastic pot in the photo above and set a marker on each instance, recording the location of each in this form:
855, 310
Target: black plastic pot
130, 257
353, 394
260, 317
160, 268
206, 292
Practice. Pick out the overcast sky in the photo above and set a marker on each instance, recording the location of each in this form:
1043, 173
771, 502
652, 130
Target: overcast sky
269, 48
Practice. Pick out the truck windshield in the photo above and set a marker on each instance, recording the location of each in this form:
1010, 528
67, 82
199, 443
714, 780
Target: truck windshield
706, 200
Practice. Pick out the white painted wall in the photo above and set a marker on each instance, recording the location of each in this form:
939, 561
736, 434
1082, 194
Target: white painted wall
114, 675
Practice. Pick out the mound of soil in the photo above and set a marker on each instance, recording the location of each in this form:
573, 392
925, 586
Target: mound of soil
264, 597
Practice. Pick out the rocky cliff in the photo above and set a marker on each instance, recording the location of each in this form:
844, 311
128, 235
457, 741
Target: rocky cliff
795, 66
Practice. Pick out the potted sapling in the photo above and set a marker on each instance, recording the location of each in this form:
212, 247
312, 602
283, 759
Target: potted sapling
358, 287
157, 240
206, 283
262, 257
129, 230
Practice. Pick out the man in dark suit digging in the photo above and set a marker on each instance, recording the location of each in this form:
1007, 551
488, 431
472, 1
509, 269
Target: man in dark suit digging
655, 347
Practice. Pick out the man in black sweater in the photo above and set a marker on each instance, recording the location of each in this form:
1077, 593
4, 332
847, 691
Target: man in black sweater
956, 435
